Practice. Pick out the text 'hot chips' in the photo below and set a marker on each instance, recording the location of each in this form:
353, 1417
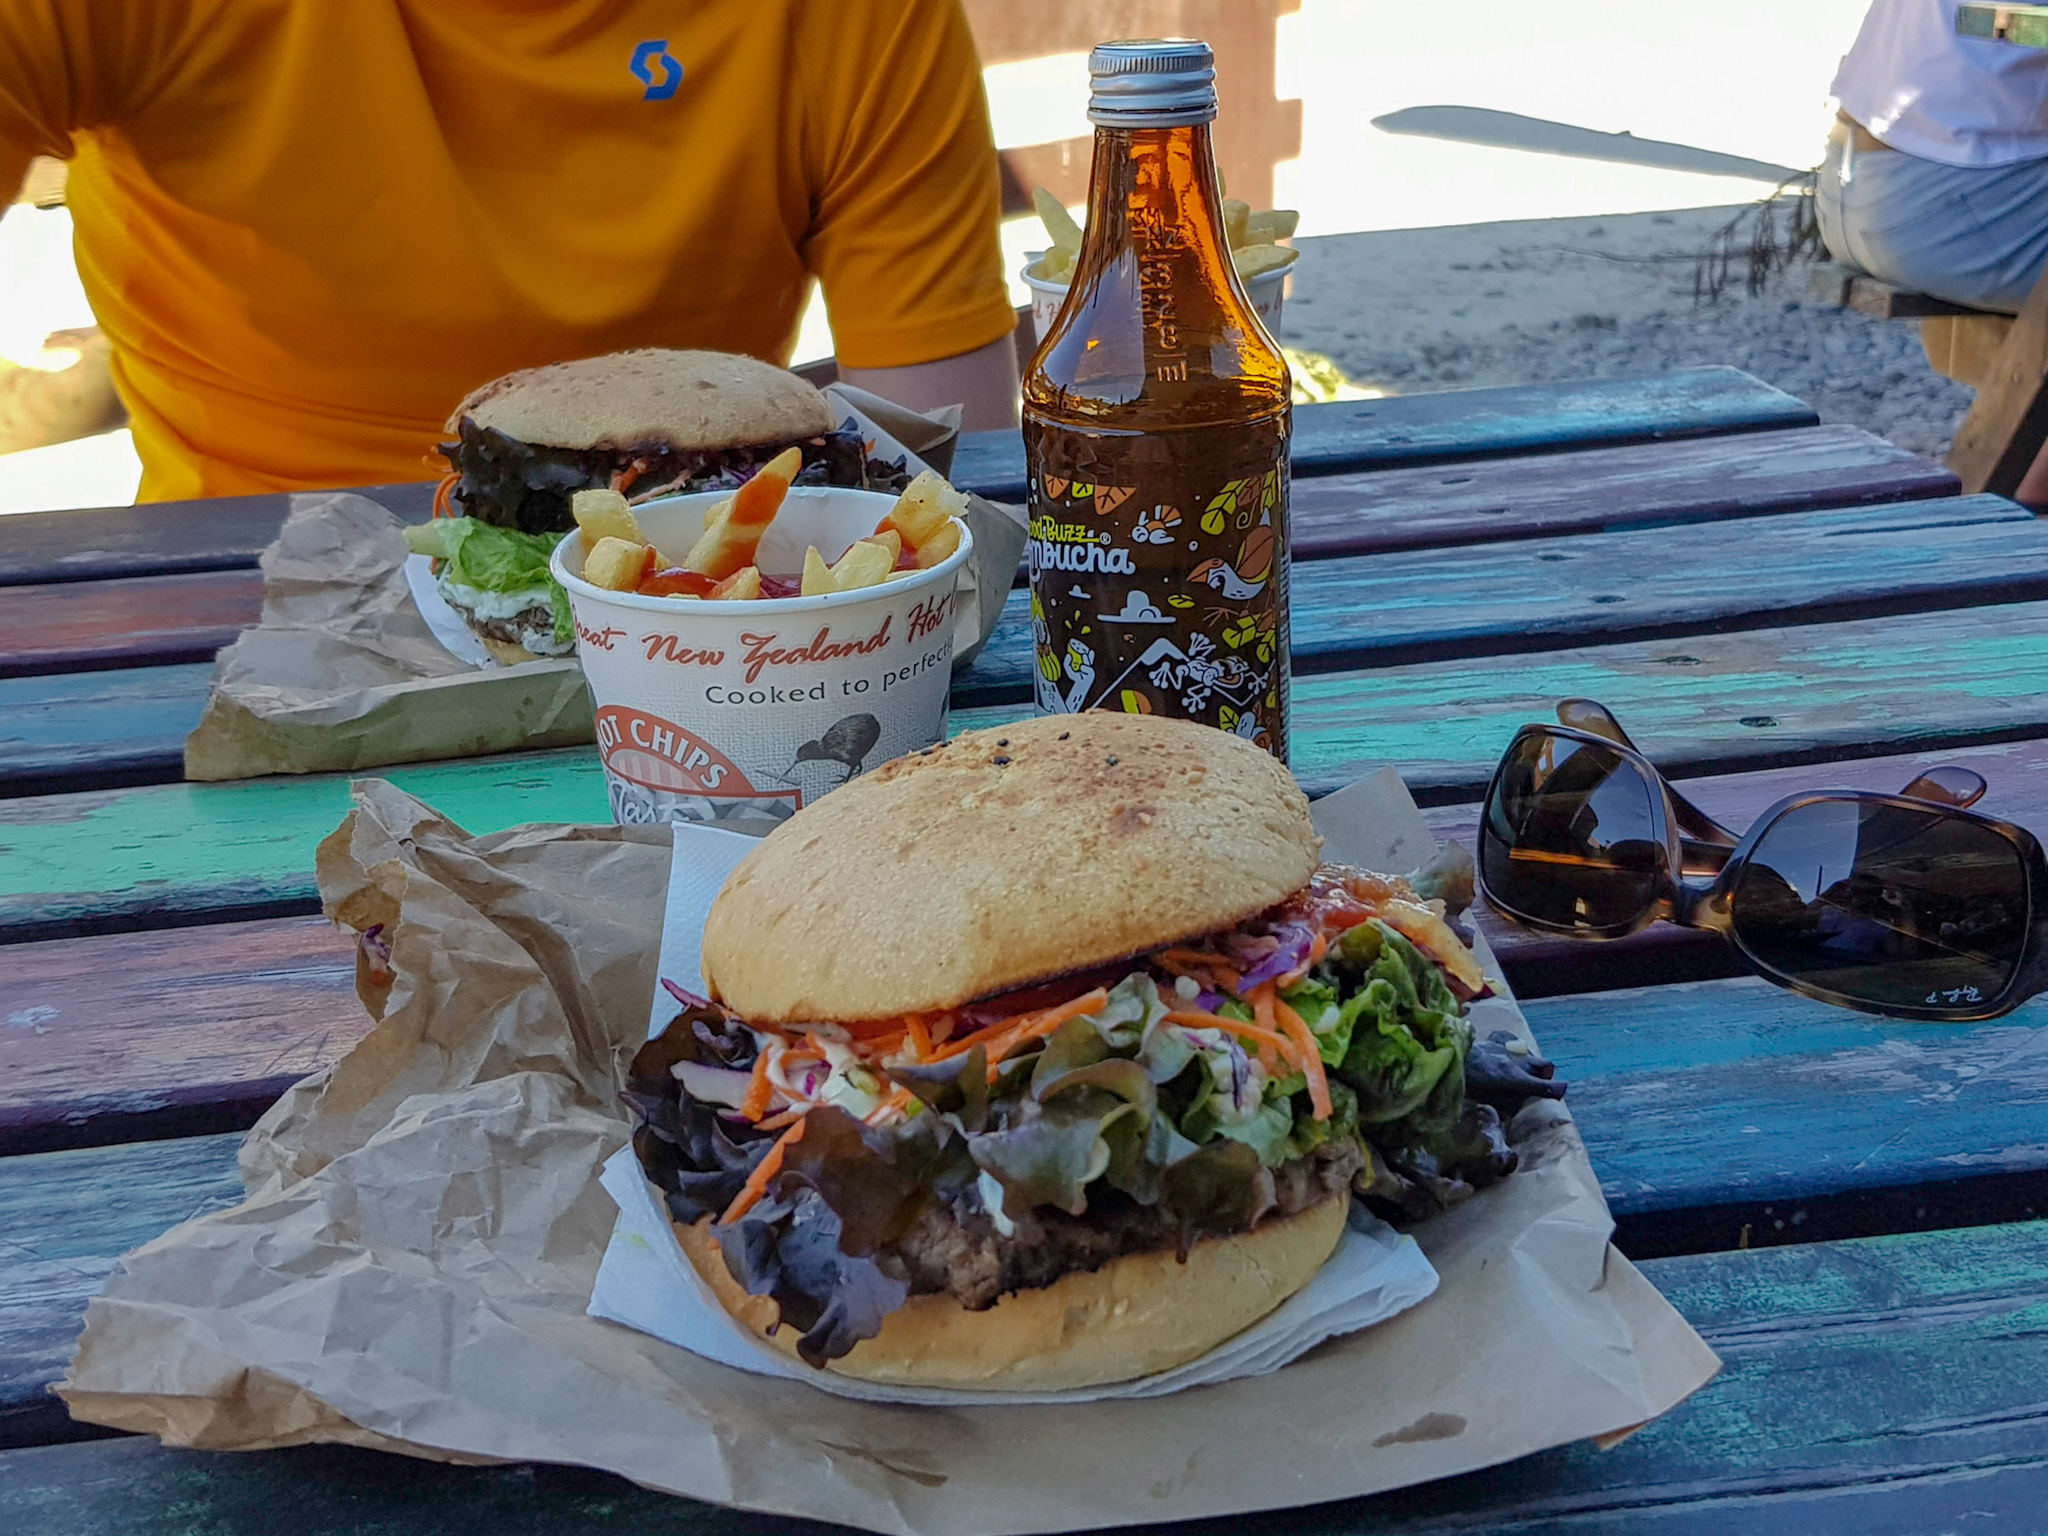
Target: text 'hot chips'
918, 532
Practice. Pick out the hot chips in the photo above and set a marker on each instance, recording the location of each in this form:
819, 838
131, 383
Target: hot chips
919, 532
939, 546
1064, 233
925, 506
743, 583
617, 564
729, 543
603, 514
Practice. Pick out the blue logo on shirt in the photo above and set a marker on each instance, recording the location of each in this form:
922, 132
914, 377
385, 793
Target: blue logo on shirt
650, 58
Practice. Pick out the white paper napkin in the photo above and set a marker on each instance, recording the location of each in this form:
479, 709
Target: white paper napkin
448, 625
646, 1281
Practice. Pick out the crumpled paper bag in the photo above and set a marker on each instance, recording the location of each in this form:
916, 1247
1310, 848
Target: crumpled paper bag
424, 1224
343, 672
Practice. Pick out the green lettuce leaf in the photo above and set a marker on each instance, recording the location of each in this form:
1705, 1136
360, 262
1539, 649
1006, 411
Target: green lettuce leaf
494, 559
1408, 1040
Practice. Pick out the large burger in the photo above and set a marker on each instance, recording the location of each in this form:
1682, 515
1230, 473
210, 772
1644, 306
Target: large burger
646, 423
1053, 1056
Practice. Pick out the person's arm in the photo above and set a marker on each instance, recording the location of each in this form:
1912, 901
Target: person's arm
906, 204
982, 382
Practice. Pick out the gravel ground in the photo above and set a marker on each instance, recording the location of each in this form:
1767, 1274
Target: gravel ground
1610, 298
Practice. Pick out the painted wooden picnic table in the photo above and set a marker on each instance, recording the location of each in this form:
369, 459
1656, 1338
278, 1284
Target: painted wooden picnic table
1847, 1208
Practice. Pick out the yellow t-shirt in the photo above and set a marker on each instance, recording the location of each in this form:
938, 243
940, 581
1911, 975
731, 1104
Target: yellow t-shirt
309, 227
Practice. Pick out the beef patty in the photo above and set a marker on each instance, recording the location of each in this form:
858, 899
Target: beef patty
958, 1250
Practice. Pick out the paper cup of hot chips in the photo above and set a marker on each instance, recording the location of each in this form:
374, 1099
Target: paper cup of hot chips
741, 710
1266, 291
1254, 235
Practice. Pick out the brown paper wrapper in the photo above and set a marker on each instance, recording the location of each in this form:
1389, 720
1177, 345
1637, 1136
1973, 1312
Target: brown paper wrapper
423, 1227
342, 673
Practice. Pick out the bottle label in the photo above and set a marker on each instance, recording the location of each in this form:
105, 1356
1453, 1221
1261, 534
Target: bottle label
1159, 574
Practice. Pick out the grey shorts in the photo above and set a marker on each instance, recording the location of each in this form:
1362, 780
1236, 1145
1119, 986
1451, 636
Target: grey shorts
1971, 235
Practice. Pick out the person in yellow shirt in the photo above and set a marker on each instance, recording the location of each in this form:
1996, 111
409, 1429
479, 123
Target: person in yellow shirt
308, 229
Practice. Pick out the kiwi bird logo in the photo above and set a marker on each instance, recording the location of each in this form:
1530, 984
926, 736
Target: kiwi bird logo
1248, 574
848, 742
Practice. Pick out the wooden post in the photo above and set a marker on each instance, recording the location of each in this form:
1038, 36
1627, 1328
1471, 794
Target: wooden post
2008, 423
1254, 130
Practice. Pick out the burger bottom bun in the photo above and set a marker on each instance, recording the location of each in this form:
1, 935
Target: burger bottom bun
506, 653
1136, 1316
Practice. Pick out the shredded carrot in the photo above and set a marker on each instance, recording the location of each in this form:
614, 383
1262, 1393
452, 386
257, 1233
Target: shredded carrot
443, 495
765, 1170
1309, 1053
1273, 1047
899, 1099
942, 1028
781, 1118
1034, 1026
920, 1038
760, 1091
1221, 971
1008, 1033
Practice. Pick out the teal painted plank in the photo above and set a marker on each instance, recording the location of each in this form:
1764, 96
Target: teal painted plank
1703, 703
1550, 594
1890, 1385
1463, 424
1711, 702
189, 849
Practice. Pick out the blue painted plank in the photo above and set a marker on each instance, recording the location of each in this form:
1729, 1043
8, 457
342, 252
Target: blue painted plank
1549, 594
1380, 610
228, 533
1707, 1108
96, 730
1732, 1112
1890, 1385
65, 1217
1464, 424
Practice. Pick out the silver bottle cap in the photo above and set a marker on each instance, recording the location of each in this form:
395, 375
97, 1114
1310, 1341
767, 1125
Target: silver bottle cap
1152, 83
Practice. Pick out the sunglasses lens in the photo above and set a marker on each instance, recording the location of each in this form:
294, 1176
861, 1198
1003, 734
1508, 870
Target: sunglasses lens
1570, 838
1890, 906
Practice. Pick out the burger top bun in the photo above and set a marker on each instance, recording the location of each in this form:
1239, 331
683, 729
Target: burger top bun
687, 400
1137, 1315
1004, 857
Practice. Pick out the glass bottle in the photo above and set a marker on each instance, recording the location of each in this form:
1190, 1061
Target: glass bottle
1156, 424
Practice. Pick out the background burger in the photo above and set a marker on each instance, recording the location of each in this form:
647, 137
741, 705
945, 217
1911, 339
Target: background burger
646, 423
1052, 1057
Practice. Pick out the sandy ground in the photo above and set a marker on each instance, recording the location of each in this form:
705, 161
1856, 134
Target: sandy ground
1609, 297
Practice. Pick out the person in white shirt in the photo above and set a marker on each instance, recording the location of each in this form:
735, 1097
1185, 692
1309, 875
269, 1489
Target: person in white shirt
1936, 177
